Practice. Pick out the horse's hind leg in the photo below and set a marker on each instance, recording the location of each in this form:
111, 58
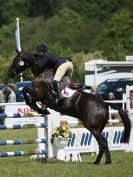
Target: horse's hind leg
103, 148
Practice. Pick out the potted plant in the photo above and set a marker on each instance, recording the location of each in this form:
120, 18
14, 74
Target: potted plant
60, 138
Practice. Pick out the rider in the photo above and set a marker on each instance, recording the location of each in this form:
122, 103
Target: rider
61, 66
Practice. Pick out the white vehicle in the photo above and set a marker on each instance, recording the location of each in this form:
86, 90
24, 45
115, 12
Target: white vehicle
97, 71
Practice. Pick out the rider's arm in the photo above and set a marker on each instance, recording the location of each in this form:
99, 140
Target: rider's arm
36, 56
42, 63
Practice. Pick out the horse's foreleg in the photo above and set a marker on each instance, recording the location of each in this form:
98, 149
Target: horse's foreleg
30, 97
26, 97
33, 99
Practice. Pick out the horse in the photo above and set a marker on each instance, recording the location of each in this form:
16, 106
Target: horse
88, 108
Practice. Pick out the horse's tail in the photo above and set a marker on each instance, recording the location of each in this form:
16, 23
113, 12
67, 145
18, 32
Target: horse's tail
126, 121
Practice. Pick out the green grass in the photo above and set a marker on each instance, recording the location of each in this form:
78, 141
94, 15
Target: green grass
122, 162
121, 166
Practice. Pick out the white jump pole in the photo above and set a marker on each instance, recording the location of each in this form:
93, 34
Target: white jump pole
18, 46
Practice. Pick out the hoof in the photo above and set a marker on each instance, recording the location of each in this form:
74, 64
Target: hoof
107, 162
96, 163
43, 111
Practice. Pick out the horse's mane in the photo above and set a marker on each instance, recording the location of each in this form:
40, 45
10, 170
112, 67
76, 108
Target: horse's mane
47, 74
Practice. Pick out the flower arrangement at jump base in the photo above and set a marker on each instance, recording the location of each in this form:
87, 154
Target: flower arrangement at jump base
60, 138
63, 131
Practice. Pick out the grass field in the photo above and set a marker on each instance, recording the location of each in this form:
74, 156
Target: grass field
122, 162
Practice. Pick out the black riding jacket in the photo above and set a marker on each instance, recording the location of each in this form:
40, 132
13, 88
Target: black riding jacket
50, 60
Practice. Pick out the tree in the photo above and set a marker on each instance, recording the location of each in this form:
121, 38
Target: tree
9, 10
47, 8
79, 60
116, 39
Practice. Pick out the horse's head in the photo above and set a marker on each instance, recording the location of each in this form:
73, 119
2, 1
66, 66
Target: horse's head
20, 63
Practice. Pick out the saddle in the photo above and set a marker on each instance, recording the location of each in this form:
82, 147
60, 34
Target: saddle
75, 86
66, 82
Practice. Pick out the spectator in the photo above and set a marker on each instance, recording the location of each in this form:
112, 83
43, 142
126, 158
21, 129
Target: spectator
2, 100
131, 99
9, 91
111, 96
2, 108
95, 91
6, 91
12, 96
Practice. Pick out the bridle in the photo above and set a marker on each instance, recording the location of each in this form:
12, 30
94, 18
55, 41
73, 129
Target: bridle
21, 62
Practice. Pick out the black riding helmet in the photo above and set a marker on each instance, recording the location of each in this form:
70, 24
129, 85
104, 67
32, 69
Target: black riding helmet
42, 47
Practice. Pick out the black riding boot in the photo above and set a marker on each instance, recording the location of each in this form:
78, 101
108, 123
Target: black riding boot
57, 90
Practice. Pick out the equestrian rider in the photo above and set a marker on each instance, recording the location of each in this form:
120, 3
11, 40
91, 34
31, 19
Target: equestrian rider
62, 66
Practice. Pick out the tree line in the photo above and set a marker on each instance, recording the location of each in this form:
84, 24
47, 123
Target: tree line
82, 29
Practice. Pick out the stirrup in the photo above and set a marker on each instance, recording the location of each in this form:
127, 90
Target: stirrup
59, 98
54, 93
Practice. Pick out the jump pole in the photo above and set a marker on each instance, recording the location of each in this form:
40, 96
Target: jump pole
18, 46
44, 148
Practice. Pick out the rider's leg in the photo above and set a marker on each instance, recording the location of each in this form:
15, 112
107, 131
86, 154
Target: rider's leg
66, 67
57, 90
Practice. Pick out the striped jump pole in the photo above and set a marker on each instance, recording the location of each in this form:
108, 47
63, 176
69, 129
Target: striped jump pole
18, 115
28, 141
19, 126
23, 153
43, 135
77, 122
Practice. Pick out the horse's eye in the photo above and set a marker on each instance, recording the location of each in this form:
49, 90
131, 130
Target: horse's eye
21, 63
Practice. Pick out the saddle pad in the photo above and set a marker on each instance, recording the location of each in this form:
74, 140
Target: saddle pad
67, 92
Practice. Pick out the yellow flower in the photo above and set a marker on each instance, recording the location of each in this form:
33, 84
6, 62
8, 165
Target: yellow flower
63, 131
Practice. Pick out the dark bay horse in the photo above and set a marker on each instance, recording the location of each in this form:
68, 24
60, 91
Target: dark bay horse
92, 111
